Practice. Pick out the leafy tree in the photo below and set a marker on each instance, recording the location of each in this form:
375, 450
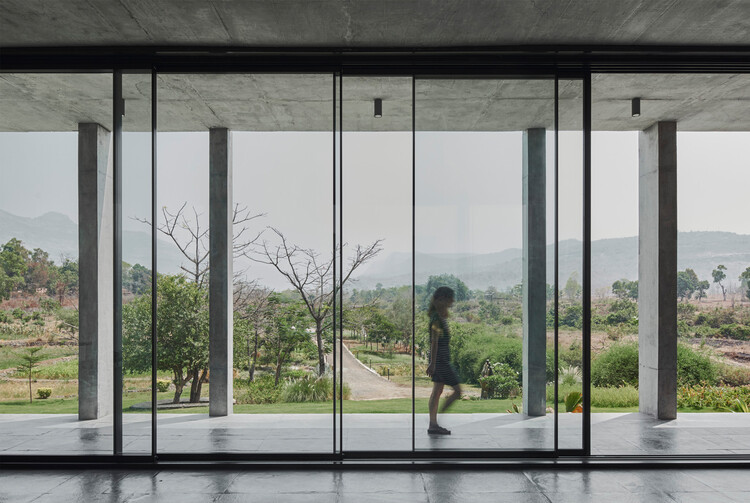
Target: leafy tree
624, 289
65, 279
136, 279
182, 331
687, 284
401, 318
285, 331
40, 270
378, 327
719, 275
434, 282
13, 264
701, 288
572, 289
491, 293
745, 281
31, 360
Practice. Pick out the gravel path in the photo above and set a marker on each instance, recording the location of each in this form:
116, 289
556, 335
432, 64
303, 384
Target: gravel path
366, 384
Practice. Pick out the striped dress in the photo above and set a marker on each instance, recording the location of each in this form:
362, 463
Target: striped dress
444, 371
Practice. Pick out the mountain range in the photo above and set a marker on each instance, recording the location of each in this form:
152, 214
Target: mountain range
611, 259
57, 234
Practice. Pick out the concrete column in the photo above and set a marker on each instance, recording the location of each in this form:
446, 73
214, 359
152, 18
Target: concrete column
534, 272
220, 273
657, 270
95, 267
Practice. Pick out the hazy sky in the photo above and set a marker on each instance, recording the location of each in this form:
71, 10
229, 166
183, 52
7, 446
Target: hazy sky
468, 184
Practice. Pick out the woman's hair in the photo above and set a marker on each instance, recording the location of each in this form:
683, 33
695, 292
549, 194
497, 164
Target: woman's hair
439, 299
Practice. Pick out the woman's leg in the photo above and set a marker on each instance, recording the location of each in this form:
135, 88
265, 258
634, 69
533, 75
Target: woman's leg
437, 390
452, 398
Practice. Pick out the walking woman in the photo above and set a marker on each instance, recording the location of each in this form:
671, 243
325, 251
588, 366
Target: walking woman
440, 368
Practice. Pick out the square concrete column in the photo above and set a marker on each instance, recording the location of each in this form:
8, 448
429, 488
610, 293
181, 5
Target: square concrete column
95, 268
534, 272
220, 273
657, 270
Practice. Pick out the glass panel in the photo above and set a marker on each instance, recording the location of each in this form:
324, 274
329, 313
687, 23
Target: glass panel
705, 131
182, 264
376, 266
136, 267
570, 264
281, 162
55, 380
484, 149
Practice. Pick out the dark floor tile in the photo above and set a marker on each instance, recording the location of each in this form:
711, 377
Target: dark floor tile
477, 482
304, 482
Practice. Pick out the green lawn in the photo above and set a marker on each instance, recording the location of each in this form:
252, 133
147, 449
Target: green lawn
400, 405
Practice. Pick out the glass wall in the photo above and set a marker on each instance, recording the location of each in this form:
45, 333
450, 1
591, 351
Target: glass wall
376, 350
483, 221
56, 264
698, 126
137, 265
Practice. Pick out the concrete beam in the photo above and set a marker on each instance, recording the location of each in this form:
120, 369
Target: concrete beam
95, 297
657, 270
534, 272
220, 273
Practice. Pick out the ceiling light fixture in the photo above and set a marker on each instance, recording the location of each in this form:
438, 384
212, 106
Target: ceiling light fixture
378, 108
635, 107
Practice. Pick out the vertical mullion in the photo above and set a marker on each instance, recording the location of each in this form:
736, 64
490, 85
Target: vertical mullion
117, 261
556, 264
413, 256
333, 249
154, 340
587, 262
341, 252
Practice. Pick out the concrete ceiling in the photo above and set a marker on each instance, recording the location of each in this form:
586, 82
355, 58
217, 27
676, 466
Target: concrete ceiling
362, 23
58, 102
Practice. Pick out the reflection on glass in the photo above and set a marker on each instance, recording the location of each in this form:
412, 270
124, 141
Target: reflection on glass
483, 153
55, 342
136, 266
376, 350
272, 147
570, 265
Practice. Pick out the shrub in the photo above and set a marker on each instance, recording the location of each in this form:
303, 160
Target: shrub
622, 311
44, 393
18, 313
4, 318
571, 316
569, 376
473, 344
616, 366
49, 304
162, 385
735, 331
623, 396
706, 396
503, 382
730, 375
261, 390
310, 388
694, 367
572, 356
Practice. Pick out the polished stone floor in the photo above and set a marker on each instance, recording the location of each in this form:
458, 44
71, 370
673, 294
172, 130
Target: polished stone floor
615, 433
542, 485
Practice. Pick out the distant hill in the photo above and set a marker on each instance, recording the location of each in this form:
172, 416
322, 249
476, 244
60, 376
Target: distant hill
57, 234
611, 259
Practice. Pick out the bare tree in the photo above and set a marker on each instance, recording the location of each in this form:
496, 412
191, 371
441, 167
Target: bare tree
312, 277
192, 239
251, 304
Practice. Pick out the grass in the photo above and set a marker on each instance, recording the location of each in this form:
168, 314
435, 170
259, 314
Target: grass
10, 357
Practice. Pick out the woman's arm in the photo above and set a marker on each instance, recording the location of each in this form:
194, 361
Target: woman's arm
435, 332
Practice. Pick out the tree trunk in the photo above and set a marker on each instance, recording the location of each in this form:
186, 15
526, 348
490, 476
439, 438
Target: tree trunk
321, 349
254, 358
278, 369
179, 385
30, 395
199, 377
